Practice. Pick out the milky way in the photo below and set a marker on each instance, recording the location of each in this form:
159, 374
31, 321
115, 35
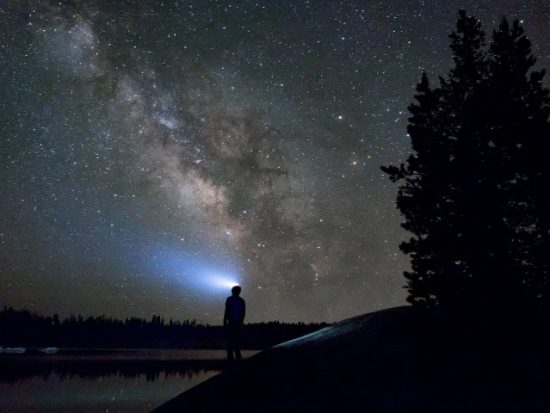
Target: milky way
149, 147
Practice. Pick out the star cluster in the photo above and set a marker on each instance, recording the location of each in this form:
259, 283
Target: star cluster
146, 146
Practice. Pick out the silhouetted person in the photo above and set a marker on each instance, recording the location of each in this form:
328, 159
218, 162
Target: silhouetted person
233, 320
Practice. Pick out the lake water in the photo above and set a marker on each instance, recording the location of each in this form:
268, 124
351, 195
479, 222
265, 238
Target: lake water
106, 382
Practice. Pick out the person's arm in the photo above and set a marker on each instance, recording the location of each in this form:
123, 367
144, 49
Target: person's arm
244, 311
225, 315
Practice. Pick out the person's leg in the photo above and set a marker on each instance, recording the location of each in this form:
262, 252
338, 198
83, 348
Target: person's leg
229, 344
237, 344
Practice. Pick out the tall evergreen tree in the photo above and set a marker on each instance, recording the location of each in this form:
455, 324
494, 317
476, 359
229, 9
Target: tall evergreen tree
473, 193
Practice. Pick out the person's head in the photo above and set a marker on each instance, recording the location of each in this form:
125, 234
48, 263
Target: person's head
236, 290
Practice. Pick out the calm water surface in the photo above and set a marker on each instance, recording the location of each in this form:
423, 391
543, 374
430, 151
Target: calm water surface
107, 382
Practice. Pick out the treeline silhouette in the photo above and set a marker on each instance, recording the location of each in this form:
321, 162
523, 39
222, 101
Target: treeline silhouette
474, 192
25, 328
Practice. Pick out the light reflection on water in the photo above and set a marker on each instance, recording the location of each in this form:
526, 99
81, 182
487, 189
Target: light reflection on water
104, 394
119, 382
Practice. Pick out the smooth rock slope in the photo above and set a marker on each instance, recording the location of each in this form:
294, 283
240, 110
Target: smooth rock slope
395, 360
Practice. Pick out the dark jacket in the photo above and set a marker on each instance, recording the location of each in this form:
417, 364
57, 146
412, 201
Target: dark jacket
234, 311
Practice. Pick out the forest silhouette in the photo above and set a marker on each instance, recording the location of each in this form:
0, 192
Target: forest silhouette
474, 193
23, 328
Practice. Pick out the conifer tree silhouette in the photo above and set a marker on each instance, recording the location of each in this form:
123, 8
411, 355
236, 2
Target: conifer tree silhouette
474, 193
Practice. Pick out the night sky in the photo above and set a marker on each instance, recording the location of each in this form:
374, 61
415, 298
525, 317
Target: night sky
152, 153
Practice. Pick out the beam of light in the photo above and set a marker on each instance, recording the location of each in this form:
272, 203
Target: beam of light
221, 281
194, 272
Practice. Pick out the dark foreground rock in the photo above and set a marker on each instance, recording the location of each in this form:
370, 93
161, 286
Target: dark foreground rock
396, 360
